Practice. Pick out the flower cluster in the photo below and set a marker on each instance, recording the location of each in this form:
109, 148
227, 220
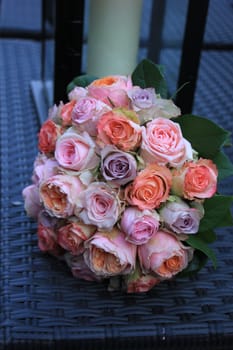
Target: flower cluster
117, 190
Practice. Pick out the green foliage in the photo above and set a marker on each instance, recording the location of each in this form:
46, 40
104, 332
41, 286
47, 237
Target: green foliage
147, 74
206, 137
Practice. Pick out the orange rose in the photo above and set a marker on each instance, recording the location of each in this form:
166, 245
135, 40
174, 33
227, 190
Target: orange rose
48, 135
195, 179
116, 129
150, 188
66, 113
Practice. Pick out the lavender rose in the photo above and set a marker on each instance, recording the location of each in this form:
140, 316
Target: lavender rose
98, 205
142, 98
180, 218
117, 166
139, 226
32, 204
108, 254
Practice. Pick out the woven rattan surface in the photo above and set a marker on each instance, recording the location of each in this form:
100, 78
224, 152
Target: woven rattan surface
42, 306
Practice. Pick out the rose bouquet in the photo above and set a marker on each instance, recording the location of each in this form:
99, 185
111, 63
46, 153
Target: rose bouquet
124, 187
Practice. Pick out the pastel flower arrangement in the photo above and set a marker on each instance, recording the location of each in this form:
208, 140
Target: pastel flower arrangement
125, 188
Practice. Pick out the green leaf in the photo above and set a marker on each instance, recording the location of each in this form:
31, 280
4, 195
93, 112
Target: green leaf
147, 74
217, 212
195, 242
224, 165
206, 236
82, 80
197, 263
205, 136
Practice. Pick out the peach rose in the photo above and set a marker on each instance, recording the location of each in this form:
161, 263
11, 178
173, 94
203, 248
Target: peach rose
59, 194
137, 282
164, 255
72, 236
108, 254
163, 143
116, 129
66, 113
112, 90
195, 179
48, 135
150, 188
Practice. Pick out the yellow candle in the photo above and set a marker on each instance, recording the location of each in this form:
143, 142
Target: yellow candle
113, 36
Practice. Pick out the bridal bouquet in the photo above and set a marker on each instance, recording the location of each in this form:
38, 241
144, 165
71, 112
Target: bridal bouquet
124, 187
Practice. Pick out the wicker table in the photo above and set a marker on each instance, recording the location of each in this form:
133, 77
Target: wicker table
42, 306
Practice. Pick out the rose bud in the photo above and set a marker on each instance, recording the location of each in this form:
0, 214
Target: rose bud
108, 254
59, 194
77, 93
195, 179
117, 166
164, 255
180, 218
66, 113
139, 226
72, 236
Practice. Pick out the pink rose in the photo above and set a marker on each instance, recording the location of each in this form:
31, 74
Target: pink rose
86, 114
47, 240
115, 128
137, 282
164, 255
98, 205
76, 152
195, 179
139, 226
79, 268
117, 166
112, 90
44, 168
163, 143
72, 236
108, 254
59, 194
150, 188
77, 93
48, 135
32, 204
